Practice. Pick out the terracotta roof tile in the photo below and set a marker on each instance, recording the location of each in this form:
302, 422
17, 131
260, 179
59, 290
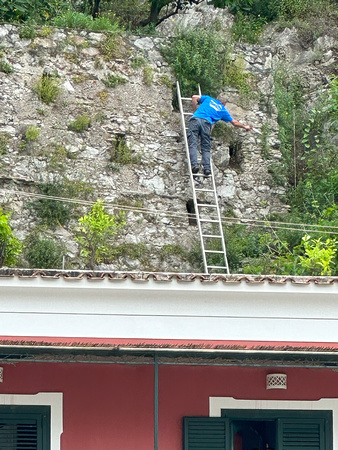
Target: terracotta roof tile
165, 277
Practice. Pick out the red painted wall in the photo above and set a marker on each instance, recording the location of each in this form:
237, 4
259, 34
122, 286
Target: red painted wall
111, 407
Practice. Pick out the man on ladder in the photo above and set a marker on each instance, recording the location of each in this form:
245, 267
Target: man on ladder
208, 111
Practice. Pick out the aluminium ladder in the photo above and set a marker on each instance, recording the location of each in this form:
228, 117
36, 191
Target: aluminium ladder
207, 210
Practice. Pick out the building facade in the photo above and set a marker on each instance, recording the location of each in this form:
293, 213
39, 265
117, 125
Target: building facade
127, 361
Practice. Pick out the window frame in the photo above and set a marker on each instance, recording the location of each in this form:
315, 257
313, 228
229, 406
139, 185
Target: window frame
52, 399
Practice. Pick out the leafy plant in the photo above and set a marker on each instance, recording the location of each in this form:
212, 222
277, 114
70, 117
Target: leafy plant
265, 148
31, 10
4, 138
235, 75
45, 31
318, 256
13, 10
128, 250
43, 253
32, 133
138, 62
121, 153
27, 31
247, 28
197, 57
173, 250
81, 123
51, 213
95, 232
110, 46
112, 80
148, 75
128, 13
47, 88
5, 67
10, 246
166, 81
73, 19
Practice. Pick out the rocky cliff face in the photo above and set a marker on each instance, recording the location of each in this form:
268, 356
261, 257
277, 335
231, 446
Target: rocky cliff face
136, 118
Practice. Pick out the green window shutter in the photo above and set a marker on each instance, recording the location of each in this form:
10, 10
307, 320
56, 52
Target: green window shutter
205, 433
18, 434
24, 428
301, 434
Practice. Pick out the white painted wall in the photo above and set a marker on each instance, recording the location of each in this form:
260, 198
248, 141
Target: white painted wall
168, 310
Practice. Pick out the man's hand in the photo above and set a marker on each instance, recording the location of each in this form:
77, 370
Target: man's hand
237, 124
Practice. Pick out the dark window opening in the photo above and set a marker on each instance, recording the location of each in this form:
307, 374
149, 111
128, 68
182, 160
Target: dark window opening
236, 155
254, 435
191, 212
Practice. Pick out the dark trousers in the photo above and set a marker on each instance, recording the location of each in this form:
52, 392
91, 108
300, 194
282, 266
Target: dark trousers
199, 128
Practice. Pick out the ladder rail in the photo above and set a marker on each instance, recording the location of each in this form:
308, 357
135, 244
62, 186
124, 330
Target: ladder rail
191, 174
216, 217
219, 218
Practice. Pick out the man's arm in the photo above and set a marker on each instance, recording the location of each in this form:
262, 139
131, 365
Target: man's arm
237, 124
195, 102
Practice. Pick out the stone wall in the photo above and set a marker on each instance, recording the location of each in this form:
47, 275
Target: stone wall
140, 113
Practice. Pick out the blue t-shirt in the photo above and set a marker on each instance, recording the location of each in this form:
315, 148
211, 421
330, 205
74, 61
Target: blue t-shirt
212, 110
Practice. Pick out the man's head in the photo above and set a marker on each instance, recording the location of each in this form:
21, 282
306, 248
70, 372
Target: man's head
222, 98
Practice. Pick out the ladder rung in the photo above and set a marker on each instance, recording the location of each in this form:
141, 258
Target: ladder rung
219, 236
217, 267
186, 98
204, 190
205, 205
213, 251
209, 220
187, 114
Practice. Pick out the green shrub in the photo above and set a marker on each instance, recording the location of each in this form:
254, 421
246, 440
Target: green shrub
121, 153
127, 250
43, 253
112, 80
166, 81
197, 56
48, 88
5, 67
38, 11
138, 62
27, 31
73, 19
4, 138
52, 213
129, 13
247, 28
319, 256
148, 75
173, 250
95, 233
45, 31
235, 76
110, 47
13, 10
309, 153
10, 246
264, 144
81, 123
32, 133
